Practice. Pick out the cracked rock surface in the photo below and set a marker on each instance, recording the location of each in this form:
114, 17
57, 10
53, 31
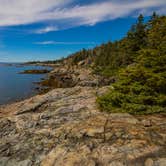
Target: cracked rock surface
65, 128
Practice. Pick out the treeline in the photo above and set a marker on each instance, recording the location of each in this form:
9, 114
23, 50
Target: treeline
45, 62
141, 86
109, 57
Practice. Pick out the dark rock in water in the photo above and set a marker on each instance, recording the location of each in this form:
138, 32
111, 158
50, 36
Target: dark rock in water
42, 71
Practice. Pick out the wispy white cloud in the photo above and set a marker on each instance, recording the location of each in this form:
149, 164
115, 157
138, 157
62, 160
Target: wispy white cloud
63, 43
17, 12
45, 43
46, 29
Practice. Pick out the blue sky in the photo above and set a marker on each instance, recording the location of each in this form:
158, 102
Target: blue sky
50, 29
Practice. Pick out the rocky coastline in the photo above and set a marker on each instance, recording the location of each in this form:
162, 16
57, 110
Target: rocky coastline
64, 127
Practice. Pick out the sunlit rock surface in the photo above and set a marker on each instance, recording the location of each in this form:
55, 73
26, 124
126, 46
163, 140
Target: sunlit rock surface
65, 128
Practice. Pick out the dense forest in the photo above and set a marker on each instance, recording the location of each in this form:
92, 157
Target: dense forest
139, 63
111, 56
141, 86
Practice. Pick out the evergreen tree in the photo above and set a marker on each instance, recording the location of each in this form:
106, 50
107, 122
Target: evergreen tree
141, 88
137, 35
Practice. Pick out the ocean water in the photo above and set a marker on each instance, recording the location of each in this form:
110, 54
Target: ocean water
15, 86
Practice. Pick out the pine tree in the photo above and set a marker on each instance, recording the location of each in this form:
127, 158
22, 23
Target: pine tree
141, 87
137, 35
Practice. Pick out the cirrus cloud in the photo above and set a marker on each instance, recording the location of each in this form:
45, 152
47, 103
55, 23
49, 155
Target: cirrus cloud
46, 29
63, 43
22, 12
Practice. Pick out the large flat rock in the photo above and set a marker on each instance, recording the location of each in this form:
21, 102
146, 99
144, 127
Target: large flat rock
65, 128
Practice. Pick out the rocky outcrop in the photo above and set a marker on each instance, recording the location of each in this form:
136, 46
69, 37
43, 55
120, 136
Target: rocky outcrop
64, 77
65, 128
